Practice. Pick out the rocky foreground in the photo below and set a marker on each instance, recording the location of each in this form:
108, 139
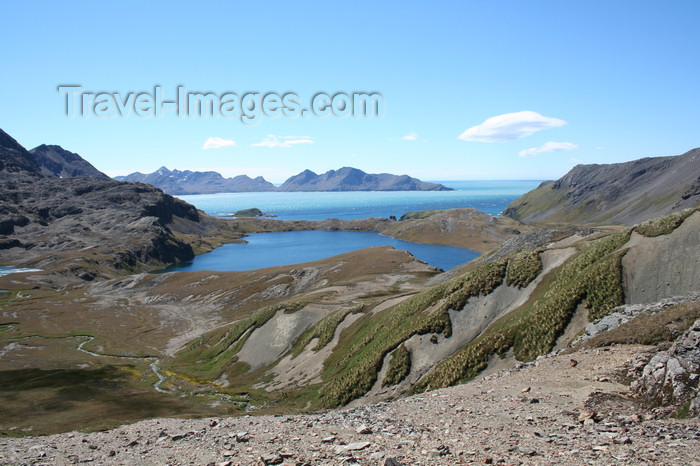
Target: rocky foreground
557, 410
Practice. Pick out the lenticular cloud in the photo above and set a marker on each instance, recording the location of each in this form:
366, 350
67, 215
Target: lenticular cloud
509, 127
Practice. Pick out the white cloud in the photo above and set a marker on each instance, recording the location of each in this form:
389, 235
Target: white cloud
216, 143
509, 127
548, 147
410, 137
283, 141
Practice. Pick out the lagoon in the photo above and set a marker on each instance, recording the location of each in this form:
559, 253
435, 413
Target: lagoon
294, 247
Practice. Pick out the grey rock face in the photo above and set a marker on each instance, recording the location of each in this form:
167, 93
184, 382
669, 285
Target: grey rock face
58, 162
16, 159
672, 376
46, 220
627, 312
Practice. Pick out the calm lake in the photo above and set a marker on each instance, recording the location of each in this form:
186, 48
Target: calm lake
272, 249
294, 247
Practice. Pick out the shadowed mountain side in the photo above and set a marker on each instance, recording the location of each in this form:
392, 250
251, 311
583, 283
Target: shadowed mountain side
627, 193
16, 159
56, 161
91, 227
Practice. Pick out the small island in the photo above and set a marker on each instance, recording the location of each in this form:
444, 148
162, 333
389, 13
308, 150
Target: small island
254, 212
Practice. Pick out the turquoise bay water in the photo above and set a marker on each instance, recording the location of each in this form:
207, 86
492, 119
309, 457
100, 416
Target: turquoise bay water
488, 196
293, 247
285, 248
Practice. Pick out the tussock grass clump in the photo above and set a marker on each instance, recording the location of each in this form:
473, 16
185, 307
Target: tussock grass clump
353, 371
664, 225
324, 330
208, 355
399, 367
594, 274
523, 269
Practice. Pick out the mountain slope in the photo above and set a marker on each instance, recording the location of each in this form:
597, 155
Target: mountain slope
49, 222
16, 159
179, 182
626, 193
56, 161
352, 179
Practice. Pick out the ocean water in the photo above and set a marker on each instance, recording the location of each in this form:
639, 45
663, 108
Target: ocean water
294, 247
491, 197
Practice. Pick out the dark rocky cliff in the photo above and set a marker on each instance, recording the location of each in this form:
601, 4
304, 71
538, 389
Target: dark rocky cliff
56, 161
85, 226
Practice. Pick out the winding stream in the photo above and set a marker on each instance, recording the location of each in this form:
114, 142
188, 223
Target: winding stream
153, 365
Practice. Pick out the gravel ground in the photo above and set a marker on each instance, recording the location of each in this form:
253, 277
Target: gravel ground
553, 411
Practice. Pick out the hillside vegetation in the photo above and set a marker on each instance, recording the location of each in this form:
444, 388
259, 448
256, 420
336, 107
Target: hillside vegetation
591, 276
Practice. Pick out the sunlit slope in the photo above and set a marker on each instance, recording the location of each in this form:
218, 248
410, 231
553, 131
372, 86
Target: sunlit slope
519, 306
625, 193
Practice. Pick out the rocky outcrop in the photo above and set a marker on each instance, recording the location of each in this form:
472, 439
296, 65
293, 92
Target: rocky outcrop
88, 227
627, 312
628, 193
352, 179
672, 377
56, 161
179, 182
123, 224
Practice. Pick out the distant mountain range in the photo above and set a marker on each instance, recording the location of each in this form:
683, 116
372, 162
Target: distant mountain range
344, 179
628, 192
352, 179
193, 182
54, 161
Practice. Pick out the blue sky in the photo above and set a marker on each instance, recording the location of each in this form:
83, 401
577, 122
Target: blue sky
471, 90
